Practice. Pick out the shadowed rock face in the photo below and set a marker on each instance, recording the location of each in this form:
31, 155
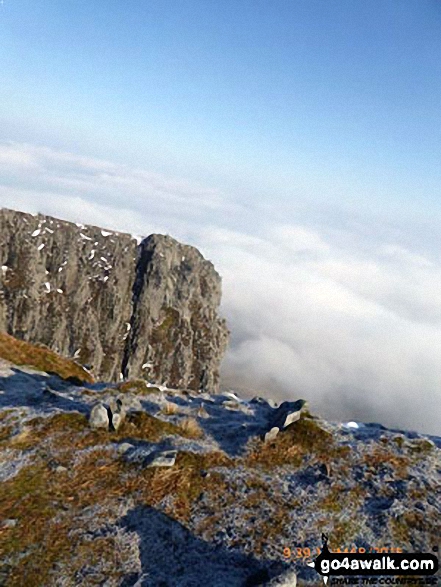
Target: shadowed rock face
145, 311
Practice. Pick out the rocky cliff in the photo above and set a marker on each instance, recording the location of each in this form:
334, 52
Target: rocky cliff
147, 310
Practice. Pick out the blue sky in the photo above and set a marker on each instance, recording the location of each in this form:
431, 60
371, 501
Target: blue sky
296, 143
285, 96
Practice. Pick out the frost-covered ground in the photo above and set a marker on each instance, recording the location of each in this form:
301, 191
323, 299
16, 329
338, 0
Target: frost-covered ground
85, 507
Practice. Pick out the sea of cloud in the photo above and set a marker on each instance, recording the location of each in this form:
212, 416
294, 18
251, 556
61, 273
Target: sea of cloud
343, 310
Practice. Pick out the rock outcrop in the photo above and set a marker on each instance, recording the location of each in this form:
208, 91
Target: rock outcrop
285, 415
147, 310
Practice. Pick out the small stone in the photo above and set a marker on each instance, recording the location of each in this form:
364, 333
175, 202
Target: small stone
271, 435
165, 458
117, 420
124, 447
8, 524
230, 404
99, 417
263, 401
202, 412
60, 469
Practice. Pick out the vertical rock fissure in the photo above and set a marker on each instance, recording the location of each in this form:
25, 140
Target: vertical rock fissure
142, 262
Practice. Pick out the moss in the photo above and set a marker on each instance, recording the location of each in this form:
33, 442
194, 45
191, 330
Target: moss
28, 499
4, 414
406, 528
48, 505
41, 358
143, 426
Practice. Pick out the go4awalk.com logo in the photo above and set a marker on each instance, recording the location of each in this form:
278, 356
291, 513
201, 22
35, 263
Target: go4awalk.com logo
330, 564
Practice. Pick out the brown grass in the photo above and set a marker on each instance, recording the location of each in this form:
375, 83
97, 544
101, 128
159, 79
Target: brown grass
47, 505
20, 352
71, 429
143, 426
382, 457
305, 439
170, 409
137, 386
191, 428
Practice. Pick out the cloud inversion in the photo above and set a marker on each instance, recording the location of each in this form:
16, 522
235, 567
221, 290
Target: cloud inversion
344, 314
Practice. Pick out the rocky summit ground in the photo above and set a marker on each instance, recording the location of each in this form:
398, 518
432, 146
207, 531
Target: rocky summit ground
182, 490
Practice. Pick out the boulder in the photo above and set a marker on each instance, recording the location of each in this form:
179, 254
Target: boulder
130, 403
99, 417
163, 458
117, 420
285, 415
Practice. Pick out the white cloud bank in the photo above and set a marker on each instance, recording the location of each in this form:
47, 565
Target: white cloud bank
353, 324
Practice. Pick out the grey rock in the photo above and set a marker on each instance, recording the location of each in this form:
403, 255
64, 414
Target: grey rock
8, 524
164, 458
131, 404
60, 469
99, 417
285, 415
124, 447
117, 420
230, 404
99, 297
141, 455
202, 412
175, 300
117, 413
271, 434
265, 401
116, 406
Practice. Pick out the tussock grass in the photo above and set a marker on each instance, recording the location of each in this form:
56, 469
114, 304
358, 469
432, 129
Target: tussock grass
143, 426
170, 409
137, 387
41, 358
304, 439
190, 428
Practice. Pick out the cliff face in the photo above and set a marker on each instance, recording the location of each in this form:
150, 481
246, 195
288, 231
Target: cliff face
144, 311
